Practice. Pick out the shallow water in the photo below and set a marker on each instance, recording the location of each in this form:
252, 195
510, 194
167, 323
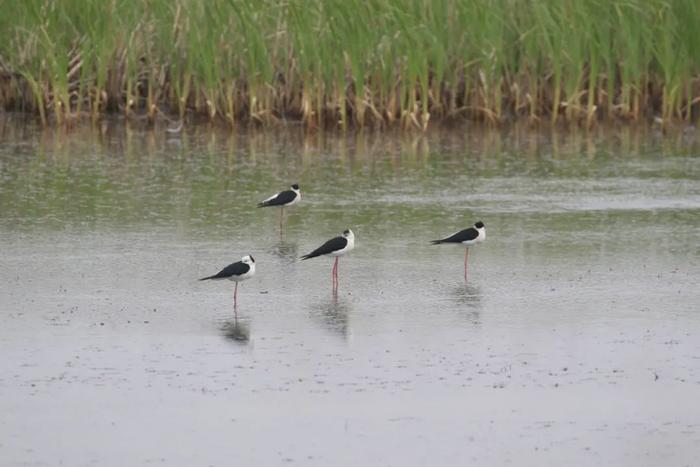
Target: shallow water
574, 342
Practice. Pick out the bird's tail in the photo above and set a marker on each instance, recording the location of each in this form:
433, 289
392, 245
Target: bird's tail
437, 242
309, 256
207, 278
263, 204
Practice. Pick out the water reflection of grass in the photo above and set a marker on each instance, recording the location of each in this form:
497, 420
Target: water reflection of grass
349, 63
119, 175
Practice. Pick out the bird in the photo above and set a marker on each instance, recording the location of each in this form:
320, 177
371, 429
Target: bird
336, 247
237, 272
467, 238
283, 199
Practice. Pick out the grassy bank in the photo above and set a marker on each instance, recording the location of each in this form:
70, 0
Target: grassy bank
345, 63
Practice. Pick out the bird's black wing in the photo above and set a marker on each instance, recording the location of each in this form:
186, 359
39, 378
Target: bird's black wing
282, 198
235, 269
462, 236
334, 244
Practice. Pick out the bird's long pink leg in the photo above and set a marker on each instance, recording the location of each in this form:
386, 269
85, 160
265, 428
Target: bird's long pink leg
235, 296
466, 255
335, 273
281, 218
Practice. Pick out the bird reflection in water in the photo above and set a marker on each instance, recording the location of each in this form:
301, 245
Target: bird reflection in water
469, 296
237, 330
286, 251
333, 315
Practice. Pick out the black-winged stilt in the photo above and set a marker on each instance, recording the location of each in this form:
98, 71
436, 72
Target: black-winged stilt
466, 238
337, 246
237, 272
283, 199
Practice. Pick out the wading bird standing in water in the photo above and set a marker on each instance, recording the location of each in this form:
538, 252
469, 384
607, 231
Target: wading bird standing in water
237, 272
336, 247
282, 199
467, 238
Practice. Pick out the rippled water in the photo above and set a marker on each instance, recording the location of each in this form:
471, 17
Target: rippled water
574, 342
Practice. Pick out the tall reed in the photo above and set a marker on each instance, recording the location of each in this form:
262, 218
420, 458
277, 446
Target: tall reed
343, 63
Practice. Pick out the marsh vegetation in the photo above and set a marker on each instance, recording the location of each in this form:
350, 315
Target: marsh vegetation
352, 63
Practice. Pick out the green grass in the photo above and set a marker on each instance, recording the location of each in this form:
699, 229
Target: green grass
345, 63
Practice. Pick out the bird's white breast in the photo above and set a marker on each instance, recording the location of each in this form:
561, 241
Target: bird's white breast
247, 275
350, 245
481, 236
296, 199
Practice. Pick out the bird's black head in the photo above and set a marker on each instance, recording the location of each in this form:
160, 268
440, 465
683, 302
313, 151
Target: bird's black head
479, 225
346, 232
295, 186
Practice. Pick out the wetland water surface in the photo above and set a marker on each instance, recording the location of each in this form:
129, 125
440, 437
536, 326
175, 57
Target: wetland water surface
576, 340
